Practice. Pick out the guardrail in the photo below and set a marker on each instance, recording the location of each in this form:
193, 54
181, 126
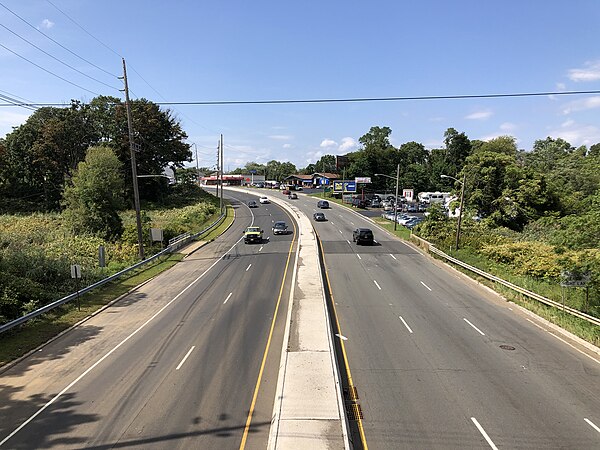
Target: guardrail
174, 244
514, 287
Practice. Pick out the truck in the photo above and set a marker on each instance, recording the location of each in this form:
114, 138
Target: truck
253, 235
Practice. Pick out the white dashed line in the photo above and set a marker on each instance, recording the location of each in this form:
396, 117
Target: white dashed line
592, 424
425, 285
260, 249
185, 357
478, 330
343, 338
341, 232
228, 297
247, 268
358, 256
348, 242
393, 257
405, 324
485, 435
377, 284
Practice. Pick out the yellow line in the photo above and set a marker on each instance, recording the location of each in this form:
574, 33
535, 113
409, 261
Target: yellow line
350, 382
264, 359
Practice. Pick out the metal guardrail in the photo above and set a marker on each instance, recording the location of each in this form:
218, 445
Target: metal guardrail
174, 244
514, 287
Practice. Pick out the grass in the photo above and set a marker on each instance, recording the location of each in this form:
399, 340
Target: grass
21, 340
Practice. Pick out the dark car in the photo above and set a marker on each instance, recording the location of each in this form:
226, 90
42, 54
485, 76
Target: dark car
252, 204
280, 227
323, 204
293, 196
319, 217
362, 236
358, 203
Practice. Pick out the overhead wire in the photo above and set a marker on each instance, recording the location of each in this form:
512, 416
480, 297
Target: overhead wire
47, 71
57, 59
366, 99
56, 42
16, 102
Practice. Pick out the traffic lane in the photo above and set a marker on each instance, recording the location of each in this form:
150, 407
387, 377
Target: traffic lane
407, 304
34, 380
146, 374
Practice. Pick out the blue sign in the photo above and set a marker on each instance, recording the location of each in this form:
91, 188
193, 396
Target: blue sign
349, 186
324, 180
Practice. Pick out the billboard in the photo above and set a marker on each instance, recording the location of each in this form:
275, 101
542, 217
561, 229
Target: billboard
362, 180
344, 186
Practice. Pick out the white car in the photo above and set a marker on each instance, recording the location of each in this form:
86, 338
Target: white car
264, 200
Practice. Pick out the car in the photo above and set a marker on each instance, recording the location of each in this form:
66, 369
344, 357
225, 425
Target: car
286, 192
319, 217
413, 222
252, 235
264, 200
375, 203
323, 204
358, 203
298, 188
280, 227
363, 235
293, 196
404, 218
252, 204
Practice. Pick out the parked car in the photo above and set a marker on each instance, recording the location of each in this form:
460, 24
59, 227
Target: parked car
319, 217
293, 196
363, 236
252, 204
264, 200
375, 203
358, 203
280, 227
414, 222
323, 204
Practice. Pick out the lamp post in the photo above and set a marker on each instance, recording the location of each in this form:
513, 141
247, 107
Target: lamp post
396, 202
462, 202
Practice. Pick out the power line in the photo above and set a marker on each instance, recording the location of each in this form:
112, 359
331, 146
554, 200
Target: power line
364, 99
56, 42
56, 59
46, 70
16, 102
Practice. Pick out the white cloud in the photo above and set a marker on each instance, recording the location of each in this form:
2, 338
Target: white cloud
46, 24
287, 145
590, 72
582, 105
281, 137
561, 86
348, 145
328, 143
508, 126
577, 134
479, 115
8, 120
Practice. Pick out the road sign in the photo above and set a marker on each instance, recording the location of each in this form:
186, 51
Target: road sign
75, 271
362, 180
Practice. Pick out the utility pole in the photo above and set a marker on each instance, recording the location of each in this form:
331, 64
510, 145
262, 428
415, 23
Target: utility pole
460, 212
221, 198
197, 166
136, 192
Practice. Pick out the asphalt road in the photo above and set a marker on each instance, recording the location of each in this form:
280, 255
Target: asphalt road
175, 364
439, 362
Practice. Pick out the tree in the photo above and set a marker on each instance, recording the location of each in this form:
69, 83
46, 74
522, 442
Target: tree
502, 144
94, 198
548, 154
458, 148
325, 164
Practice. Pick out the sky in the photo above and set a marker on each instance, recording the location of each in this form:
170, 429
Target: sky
209, 51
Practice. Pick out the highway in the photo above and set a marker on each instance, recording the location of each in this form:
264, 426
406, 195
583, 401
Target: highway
440, 362
188, 360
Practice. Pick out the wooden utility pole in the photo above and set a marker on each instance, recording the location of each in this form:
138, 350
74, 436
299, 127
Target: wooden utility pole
136, 192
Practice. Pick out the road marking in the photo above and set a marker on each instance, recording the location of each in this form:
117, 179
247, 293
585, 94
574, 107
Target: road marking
478, 330
260, 249
593, 425
377, 284
331, 223
405, 324
562, 340
358, 256
228, 297
351, 223
110, 352
485, 435
393, 257
425, 285
343, 338
249, 265
185, 357
341, 232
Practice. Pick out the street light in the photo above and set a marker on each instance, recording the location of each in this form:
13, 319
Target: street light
462, 201
396, 202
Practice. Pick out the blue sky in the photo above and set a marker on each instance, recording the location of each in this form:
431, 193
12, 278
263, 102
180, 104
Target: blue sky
227, 50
